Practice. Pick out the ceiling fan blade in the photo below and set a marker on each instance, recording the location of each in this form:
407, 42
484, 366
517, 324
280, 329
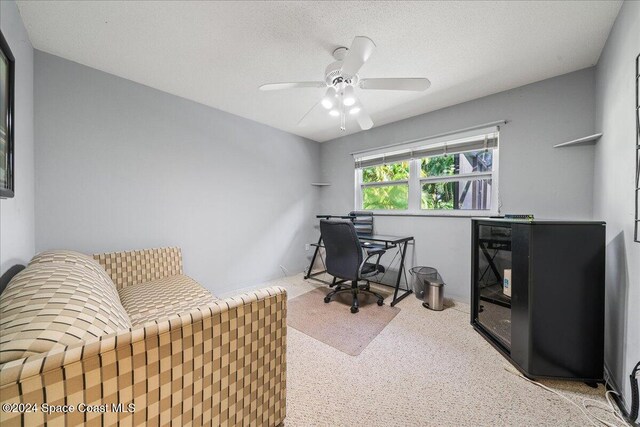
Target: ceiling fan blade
361, 49
292, 85
305, 119
364, 119
415, 84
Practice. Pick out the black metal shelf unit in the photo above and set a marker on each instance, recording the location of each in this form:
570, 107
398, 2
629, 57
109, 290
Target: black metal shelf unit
552, 323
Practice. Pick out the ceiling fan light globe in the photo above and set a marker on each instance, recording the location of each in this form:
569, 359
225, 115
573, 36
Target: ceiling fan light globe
349, 96
354, 110
334, 113
328, 98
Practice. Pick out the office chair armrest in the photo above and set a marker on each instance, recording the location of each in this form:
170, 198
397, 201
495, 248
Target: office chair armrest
376, 251
369, 255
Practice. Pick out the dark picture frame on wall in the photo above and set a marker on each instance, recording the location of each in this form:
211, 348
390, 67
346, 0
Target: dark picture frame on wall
636, 235
7, 91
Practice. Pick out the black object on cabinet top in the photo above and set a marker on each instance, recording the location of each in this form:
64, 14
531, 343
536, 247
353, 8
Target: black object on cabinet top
537, 221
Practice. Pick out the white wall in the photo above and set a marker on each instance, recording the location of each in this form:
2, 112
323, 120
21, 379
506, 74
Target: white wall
17, 214
534, 177
613, 185
122, 166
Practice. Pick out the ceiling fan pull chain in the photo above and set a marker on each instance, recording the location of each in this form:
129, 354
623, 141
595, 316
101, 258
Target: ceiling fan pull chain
343, 119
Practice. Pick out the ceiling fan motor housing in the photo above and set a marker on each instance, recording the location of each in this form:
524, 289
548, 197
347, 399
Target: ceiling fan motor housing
333, 75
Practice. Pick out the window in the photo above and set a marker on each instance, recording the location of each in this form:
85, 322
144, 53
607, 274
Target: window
453, 176
459, 181
386, 187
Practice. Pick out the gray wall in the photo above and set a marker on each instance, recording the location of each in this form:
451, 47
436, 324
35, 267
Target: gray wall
614, 193
122, 166
17, 214
534, 177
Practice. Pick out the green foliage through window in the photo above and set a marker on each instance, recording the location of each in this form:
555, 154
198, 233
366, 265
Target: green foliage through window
438, 195
454, 164
437, 166
463, 194
382, 173
466, 194
385, 197
386, 187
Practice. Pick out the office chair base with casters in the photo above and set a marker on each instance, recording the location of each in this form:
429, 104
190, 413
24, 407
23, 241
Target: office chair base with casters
355, 289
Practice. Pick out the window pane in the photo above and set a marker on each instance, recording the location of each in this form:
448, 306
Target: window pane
385, 197
454, 164
390, 172
472, 194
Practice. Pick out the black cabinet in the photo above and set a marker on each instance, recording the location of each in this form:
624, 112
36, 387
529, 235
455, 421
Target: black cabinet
537, 294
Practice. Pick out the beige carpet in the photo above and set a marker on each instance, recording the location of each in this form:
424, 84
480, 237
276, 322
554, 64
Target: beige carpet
334, 324
425, 368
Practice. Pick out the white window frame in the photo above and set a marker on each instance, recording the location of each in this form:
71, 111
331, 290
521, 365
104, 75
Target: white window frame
360, 185
415, 190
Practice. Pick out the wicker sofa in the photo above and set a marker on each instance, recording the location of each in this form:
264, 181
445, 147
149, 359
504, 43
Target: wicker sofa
125, 338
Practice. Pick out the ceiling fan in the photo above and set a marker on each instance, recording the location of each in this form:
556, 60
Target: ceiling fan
341, 79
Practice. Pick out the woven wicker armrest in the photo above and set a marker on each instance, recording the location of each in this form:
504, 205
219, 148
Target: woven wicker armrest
221, 364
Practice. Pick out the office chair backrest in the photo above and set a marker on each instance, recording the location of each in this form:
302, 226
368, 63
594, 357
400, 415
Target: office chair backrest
342, 246
363, 221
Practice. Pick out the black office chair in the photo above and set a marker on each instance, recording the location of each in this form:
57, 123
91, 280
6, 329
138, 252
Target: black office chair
345, 259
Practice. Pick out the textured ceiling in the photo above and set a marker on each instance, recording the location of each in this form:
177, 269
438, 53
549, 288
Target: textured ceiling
219, 53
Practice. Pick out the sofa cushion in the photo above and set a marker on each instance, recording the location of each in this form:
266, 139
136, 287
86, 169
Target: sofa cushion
51, 305
163, 297
133, 267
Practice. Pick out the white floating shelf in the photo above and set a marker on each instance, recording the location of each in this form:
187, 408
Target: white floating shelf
591, 139
320, 184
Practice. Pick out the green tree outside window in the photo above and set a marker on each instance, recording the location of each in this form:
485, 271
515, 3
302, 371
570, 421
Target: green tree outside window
386, 197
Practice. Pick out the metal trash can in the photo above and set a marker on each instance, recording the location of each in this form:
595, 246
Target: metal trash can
429, 287
419, 274
434, 296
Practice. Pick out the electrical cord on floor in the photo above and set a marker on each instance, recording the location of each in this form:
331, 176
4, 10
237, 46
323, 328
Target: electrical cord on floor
635, 400
285, 272
611, 409
452, 306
